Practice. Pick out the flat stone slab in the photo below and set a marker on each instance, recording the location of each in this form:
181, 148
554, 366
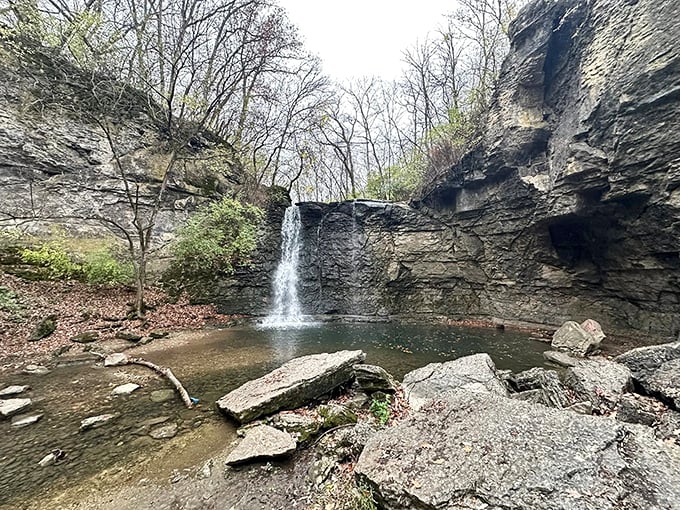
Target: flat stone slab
95, 421
13, 406
262, 442
291, 386
24, 420
35, 370
476, 373
481, 450
125, 389
13, 390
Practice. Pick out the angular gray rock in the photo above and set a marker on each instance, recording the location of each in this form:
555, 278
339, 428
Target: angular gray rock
635, 408
12, 406
24, 420
574, 338
476, 373
644, 360
547, 384
262, 442
656, 370
559, 358
664, 382
115, 359
290, 386
373, 378
13, 390
302, 427
125, 389
480, 450
94, 422
599, 381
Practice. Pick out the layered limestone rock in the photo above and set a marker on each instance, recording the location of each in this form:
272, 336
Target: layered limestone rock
568, 209
58, 167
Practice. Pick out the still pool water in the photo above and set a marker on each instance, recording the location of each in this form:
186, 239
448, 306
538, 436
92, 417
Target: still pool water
210, 365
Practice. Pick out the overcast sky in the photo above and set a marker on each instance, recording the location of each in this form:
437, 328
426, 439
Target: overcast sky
364, 37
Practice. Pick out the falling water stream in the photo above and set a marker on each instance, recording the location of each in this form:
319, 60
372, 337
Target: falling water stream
287, 311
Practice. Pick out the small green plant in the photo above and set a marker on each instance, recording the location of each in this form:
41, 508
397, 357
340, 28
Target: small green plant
363, 499
101, 267
380, 407
8, 300
53, 258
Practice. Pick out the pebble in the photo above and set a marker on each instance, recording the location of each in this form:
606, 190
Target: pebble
125, 389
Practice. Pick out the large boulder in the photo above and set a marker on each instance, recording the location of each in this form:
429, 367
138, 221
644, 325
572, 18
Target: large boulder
476, 373
292, 385
599, 381
578, 338
480, 450
262, 442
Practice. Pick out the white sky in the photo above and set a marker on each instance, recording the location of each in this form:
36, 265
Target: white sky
364, 37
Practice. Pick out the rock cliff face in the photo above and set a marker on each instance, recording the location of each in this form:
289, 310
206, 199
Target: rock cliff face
569, 209
57, 166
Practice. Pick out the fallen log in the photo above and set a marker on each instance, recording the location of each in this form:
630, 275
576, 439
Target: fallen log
120, 359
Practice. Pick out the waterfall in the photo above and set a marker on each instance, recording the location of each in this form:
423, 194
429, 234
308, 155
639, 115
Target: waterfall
286, 311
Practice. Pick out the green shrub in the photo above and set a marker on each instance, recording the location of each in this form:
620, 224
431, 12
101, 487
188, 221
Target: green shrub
101, 267
8, 300
380, 407
217, 238
54, 260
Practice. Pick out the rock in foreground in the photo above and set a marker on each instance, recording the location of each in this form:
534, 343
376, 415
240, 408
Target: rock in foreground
292, 385
262, 442
485, 451
476, 373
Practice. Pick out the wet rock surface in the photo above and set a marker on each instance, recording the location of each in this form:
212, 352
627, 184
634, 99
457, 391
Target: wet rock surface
476, 373
294, 384
481, 449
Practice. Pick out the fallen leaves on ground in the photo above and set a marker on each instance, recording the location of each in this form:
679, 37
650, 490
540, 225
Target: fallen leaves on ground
81, 307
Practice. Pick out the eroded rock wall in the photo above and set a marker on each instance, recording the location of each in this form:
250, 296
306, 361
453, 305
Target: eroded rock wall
58, 167
569, 209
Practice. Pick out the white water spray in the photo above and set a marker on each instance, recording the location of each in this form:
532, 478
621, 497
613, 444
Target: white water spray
286, 311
